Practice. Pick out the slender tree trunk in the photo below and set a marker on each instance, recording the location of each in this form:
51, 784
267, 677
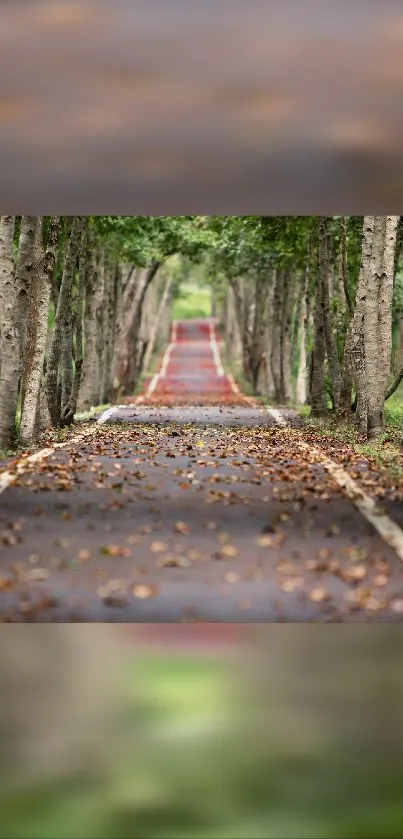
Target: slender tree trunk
378, 320
38, 327
109, 322
301, 389
88, 394
286, 326
331, 347
275, 359
25, 271
10, 337
131, 320
318, 386
356, 337
157, 322
347, 372
266, 384
63, 314
233, 340
70, 407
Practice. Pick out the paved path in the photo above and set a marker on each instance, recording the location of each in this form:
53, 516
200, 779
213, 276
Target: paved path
216, 510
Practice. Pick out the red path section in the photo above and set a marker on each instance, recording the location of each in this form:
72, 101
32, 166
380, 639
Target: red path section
190, 370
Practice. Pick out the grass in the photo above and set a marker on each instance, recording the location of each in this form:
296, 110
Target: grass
386, 451
193, 302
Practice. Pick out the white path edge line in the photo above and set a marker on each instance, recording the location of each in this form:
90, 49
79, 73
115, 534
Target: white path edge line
7, 478
387, 529
215, 351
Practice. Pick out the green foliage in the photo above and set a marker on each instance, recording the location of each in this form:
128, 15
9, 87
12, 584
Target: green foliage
144, 239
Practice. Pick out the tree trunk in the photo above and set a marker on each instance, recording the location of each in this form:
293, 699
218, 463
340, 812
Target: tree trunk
318, 387
355, 337
131, 318
303, 369
88, 394
378, 321
63, 315
109, 325
233, 341
275, 359
38, 327
286, 326
331, 347
25, 271
157, 323
69, 408
10, 338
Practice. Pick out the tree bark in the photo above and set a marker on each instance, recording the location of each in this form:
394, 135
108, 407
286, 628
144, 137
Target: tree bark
318, 386
355, 337
331, 347
10, 337
157, 322
122, 383
38, 327
275, 358
63, 314
26, 270
286, 325
88, 389
379, 342
70, 407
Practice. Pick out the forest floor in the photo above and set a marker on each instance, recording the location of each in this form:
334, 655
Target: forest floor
193, 502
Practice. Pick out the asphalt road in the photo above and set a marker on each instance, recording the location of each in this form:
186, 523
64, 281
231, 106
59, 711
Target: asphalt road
214, 510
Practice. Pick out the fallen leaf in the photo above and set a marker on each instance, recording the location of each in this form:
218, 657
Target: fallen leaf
194, 554
144, 591
33, 574
229, 551
158, 547
291, 585
319, 594
6, 583
356, 572
171, 561
181, 527
115, 550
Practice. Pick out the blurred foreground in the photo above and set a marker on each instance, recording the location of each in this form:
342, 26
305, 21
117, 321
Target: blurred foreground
276, 732
172, 107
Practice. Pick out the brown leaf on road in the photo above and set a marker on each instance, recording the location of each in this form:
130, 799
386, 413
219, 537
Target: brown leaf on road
115, 550
158, 547
227, 552
291, 585
195, 554
182, 527
6, 583
355, 572
231, 577
34, 574
143, 591
319, 595
172, 561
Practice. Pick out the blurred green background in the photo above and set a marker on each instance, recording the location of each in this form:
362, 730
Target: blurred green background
291, 732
